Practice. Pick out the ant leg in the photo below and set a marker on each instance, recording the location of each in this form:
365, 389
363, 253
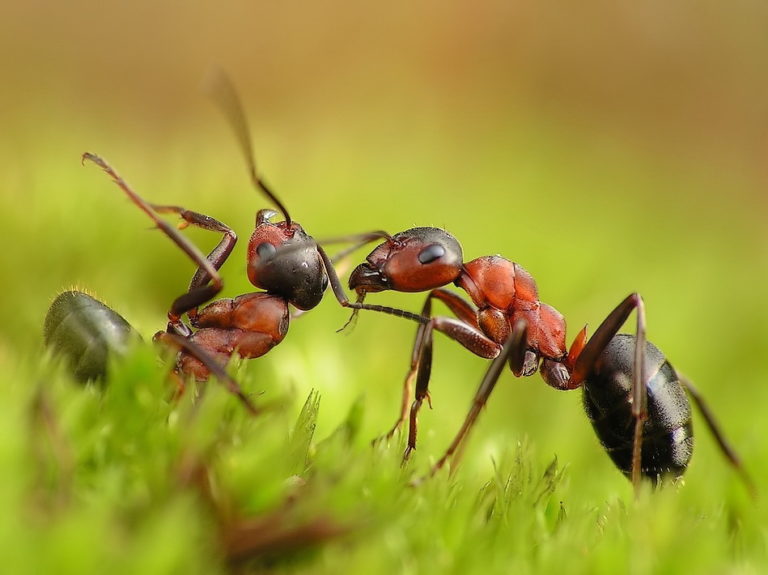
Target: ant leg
423, 344
421, 367
514, 352
714, 428
469, 336
177, 331
217, 257
219, 254
184, 244
185, 344
464, 330
592, 350
194, 297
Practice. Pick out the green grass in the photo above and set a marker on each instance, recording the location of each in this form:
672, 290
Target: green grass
116, 479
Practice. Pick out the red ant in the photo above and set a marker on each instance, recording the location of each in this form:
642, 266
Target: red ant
636, 401
283, 260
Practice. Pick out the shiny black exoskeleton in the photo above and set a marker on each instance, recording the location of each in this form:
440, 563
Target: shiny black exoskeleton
85, 333
667, 435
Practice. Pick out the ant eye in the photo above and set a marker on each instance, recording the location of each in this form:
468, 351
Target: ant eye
266, 250
431, 253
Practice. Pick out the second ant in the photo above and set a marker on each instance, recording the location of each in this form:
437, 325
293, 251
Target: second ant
282, 259
636, 401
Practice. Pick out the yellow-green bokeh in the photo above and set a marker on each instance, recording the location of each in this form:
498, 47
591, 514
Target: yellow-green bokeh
607, 147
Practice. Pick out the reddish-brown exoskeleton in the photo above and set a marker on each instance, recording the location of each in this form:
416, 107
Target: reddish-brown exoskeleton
282, 259
636, 401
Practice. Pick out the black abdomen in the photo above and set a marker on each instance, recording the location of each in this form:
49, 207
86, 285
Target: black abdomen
667, 433
84, 331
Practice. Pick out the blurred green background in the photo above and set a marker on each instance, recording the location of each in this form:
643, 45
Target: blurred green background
607, 147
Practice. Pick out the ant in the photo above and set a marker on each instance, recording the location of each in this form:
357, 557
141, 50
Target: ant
283, 260
86, 333
636, 401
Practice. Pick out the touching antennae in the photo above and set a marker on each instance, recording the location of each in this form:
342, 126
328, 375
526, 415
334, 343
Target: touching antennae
223, 92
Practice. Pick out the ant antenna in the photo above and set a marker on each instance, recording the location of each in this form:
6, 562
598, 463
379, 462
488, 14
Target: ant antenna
352, 321
222, 91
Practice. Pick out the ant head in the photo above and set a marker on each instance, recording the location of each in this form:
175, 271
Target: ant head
284, 260
415, 260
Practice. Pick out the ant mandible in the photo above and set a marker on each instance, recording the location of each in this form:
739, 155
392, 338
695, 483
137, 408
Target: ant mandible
636, 401
283, 260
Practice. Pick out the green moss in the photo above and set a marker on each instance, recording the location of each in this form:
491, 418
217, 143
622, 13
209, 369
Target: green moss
118, 480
